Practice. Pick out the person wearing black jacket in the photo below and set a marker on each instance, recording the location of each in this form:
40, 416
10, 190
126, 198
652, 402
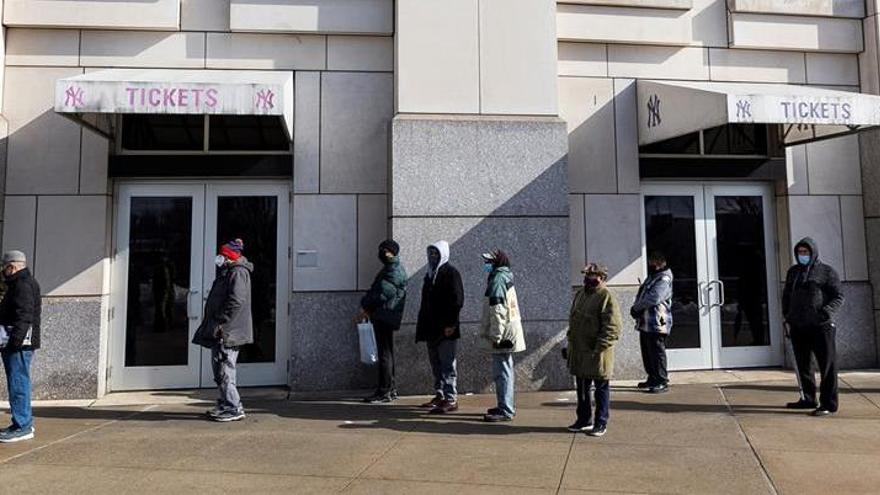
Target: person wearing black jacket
227, 326
811, 298
20, 316
383, 305
438, 325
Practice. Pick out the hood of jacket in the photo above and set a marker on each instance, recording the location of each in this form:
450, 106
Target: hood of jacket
499, 280
810, 244
443, 247
242, 262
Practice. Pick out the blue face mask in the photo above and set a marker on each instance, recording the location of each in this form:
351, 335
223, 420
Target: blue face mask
488, 267
804, 259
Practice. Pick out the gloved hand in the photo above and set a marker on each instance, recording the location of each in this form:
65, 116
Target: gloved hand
565, 353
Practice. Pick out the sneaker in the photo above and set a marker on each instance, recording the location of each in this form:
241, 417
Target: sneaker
493, 410
394, 395
431, 404
598, 431
580, 426
822, 411
497, 418
228, 416
802, 404
658, 389
11, 435
645, 385
445, 407
379, 399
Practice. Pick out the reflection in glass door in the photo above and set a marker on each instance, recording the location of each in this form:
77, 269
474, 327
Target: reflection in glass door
167, 238
717, 242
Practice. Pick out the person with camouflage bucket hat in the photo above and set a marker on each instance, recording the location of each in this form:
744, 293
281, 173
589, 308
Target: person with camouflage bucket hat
593, 329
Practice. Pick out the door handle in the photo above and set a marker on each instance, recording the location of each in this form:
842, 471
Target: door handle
189, 310
701, 293
721, 300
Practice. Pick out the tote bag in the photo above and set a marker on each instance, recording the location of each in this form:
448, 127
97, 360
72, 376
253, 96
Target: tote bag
367, 341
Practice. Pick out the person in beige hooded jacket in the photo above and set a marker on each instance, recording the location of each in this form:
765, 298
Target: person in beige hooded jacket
503, 332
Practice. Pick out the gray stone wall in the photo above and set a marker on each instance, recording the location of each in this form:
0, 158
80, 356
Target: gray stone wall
66, 365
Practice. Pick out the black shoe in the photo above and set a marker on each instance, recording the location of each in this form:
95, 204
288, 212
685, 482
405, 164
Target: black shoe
379, 399
645, 385
497, 418
822, 411
580, 426
659, 389
598, 430
493, 410
802, 404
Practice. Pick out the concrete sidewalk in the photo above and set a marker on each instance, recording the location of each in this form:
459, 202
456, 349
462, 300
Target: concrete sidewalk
719, 433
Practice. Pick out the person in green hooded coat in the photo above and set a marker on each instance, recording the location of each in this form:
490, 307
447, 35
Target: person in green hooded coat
593, 329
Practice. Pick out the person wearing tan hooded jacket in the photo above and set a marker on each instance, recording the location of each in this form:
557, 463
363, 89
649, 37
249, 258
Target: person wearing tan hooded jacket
593, 329
503, 332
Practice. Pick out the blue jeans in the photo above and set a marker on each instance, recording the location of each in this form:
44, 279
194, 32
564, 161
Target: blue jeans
502, 371
18, 382
442, 357
603, 400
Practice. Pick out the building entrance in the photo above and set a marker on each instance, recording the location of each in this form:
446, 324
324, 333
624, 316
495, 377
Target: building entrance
719, 241
167, 236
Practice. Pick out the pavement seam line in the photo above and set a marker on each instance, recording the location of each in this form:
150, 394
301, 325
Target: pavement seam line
742, 431
565, 465
852, 387
68, 437
373, 463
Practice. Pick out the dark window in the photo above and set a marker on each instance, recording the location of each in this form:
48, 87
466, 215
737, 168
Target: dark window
689, 144
736, 139
163, 132
247, 133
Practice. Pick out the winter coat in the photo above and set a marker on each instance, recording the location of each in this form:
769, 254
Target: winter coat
594, 325
228, 316
20, 310
442, 300
812, 294
653, 307
387, 296
501, 315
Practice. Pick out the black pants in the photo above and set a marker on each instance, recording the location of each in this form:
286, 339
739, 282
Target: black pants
818, 341
654, 357
385, 346
603, 400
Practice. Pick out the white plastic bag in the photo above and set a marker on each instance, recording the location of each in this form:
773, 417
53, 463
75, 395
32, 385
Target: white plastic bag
4, 337
367, 340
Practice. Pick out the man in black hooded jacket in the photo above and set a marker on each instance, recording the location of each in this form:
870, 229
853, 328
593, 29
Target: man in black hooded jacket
810, 300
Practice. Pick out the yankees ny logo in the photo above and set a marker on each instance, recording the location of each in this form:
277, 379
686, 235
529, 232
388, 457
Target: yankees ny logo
654, 111
74, 97
265, 99
743, 109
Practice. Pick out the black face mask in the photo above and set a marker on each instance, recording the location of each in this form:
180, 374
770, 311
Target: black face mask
591, 283
385, 256
652, 269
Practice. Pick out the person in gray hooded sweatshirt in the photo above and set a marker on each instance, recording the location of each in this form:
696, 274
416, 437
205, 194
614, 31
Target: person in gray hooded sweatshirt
811, 298
438, 325
227, 326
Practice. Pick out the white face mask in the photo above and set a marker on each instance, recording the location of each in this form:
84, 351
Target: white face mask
220, 260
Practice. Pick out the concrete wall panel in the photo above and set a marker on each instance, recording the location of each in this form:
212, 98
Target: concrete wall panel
372, 218
433, 77
820, 8
93, 14
360, 53
614, 235
324, 243
518, 57
583, 59
266, 51
587, 108
796, 33
757, 66
356, 111
307, 132
313, 16
42, 47
855, 255
834, 166
818, 217
204, 15
143, 49
658, 62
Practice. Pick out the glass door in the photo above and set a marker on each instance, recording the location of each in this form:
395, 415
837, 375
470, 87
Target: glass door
745, 299
675, 226
718, 242
258, 215
167, 238
157, 282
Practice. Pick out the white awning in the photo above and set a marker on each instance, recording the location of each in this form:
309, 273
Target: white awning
669, 109
167, 91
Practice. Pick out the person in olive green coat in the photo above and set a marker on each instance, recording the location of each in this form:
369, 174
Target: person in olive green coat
593, 329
